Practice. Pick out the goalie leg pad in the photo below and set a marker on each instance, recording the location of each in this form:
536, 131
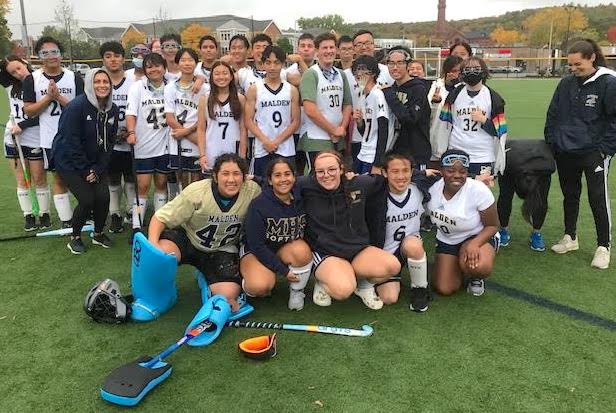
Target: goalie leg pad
217, 311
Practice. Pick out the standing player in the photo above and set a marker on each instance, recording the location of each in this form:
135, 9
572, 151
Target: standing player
138, 52
181, 106
208, 48
220, 125
363, 42
346, 52
120, 164
13, 70
170, 43
272, 113
46, 92
302, 60
327, 102
148, 132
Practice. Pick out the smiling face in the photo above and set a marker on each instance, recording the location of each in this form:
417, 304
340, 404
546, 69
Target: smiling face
328, 171
229, 179
154, 73
416, 70
238, 51
454, 176
364, 45
169, 49
282, 179
51, 56
398, 173
102, 85
187, 64
221, 76
326, 53
581, 66
397, 65
257, 50
17, 69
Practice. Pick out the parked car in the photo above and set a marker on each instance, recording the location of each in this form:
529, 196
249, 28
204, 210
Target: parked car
80, 68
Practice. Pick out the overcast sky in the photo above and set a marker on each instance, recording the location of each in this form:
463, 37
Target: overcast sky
92, 13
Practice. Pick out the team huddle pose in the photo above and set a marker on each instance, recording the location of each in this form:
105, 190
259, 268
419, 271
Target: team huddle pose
264, 172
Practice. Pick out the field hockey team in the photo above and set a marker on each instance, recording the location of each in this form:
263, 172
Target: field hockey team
303, 164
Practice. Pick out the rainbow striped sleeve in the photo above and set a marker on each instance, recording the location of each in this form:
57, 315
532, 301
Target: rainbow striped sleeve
446, 115
500, 124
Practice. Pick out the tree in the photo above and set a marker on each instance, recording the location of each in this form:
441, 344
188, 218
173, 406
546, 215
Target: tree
504, 37
327, 22
611, 34
564, 21
5, 33
192, 33
132, 38
285, 44
80, 50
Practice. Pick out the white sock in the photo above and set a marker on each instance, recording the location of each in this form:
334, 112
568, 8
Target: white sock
62, 203
24, 201
115, 191
129, 190
173, 188
143, 203
160, 199
418, 269
43, 196
364, 284
303, 273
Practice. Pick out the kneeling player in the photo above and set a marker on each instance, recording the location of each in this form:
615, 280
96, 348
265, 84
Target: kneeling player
274, 246
202, 225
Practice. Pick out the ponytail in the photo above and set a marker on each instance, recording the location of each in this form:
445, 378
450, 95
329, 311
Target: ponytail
588, 47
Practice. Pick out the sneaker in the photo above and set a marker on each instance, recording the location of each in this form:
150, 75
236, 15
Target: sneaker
536, 241
45, 221
128, 218
505, 237
101, 239
369, 297
426, 224
76, 246
565, 245
320, 296
117, 225
601, 259
135, 232
420, 297
296, 299
476, 286
67, 224
30, 223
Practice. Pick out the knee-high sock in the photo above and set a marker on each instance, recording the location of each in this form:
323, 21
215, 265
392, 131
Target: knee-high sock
129, 191
24, 201
43, 195
62, 203
418, 269
140, 210
303, 273
173, 188
115, 192
160, 199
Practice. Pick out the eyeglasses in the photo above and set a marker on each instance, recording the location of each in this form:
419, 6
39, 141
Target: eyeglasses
394, 63
169, 46
139, 51
363, 44
49, 53
329, 171
472, 71
449, 160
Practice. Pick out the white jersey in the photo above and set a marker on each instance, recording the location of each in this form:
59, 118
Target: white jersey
202, 71
403, 217
171, 77
357, 99
384, 79
119, 96
458, 219
272, 116
330, 95
467, 134
151, 130
247, 76
29, 136
184, 105
375, 107
222, 133
49, 118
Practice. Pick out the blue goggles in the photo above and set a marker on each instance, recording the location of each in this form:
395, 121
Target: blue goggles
449, 160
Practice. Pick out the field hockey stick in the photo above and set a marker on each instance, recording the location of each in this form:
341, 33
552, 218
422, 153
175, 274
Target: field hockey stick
22, 160
180, 171
52, 233
194, 332
365, 331
138, 206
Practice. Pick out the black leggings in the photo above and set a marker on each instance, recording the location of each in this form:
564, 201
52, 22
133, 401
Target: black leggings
91, 198
507, 185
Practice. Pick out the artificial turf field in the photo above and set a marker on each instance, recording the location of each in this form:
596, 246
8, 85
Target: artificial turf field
542, 338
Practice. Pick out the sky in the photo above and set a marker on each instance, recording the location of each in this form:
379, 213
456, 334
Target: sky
91, 13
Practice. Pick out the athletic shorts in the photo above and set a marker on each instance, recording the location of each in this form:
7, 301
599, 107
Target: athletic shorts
217, 266
158, 164
454, 249
362, 168
31, 154
319, 257
189, 163
478, 168
259, 165
47, 161
121, 164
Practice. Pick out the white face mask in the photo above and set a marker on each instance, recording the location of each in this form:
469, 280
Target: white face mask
138, 62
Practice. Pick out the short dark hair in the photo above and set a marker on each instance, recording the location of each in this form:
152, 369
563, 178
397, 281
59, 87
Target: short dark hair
361, 32
206, 38
305, 36
465, 45
369, 62
154, 59
419, 62
47, 39
588, 47
230, 157
482, 63
408, 56
276, 50
171, 36
241, 38
344, 39
188, 50
392, 156
261, 37
114, 47
449, 63
269, 169
324, 37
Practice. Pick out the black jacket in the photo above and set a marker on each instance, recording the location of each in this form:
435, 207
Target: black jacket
582, 115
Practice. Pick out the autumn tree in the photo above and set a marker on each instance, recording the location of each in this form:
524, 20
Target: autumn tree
564, 22
192, 33
132, 38
611, 34
504, 37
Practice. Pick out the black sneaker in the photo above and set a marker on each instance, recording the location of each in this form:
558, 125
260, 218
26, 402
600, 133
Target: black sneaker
30, 223
45, 221
67, 224
419, 299
101, 239
135, 232
117, 224
76, 246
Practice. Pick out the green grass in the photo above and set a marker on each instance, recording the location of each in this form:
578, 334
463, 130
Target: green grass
466, 354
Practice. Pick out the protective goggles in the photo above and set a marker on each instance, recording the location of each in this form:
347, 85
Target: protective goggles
169, 46
449, 160
259, 348
49, 53
140, 51
472, 71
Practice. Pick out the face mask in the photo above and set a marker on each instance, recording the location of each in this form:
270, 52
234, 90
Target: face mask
138, 62
472, 76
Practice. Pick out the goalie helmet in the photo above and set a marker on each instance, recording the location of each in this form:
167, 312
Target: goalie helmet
104, 303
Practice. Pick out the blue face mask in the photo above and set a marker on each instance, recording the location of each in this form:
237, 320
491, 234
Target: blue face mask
138, 62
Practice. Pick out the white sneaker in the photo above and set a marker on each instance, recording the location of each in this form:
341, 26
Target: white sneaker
601, 258
369, 297
296, 299
320, 296
565, 245
476, 287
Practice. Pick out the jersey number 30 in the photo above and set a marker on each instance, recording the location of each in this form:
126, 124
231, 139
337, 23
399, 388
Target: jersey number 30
208, 238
